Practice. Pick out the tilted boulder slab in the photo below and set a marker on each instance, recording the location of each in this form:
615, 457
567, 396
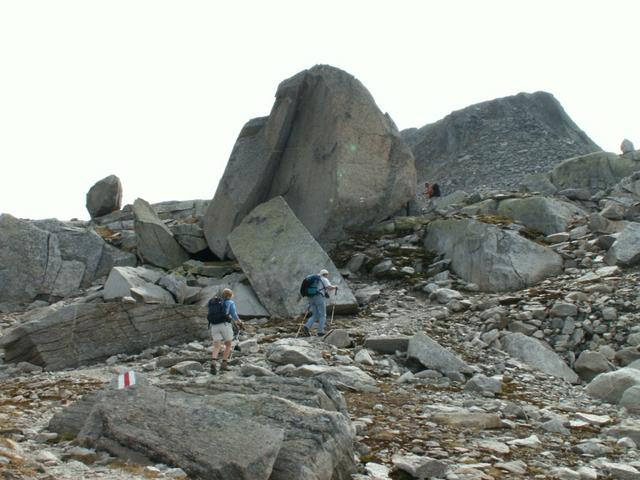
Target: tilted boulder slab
534, 353
81, 334
493, 258
430, 354
276, 252
104, 197
156, 244
595, 171
523, 133
327, 149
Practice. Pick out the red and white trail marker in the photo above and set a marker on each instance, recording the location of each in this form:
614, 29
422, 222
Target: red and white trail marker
126, 379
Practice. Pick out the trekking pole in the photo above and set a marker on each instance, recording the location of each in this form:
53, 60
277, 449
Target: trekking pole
302, 323
333, 308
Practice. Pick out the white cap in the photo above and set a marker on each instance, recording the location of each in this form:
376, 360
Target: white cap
324, 272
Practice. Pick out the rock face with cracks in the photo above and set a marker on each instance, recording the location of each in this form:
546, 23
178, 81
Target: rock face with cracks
79, 334
327, 149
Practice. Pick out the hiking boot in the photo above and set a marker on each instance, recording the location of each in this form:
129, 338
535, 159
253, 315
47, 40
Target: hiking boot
305, 331
224, 366
321, 334
212, 369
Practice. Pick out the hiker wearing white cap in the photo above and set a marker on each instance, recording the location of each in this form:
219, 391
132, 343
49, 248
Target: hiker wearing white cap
317, 305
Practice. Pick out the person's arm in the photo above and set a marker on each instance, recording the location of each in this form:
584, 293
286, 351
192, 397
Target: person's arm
233, 313
327, 285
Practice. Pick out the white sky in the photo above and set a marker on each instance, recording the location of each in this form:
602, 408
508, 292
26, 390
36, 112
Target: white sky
156, 91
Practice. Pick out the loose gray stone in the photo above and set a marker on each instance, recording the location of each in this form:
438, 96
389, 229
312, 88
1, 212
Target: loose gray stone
533, 352
432, 355
591, 364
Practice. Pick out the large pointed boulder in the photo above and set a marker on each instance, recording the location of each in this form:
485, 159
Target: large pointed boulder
338, 161
156, 243
276, 252
493, 258
104, 197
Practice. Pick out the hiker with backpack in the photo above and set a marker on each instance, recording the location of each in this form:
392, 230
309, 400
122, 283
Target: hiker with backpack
222, 314
317, 288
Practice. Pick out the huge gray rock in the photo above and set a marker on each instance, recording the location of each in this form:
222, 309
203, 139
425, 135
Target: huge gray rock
431, 355
309, 437
609, 387
30, 259
625, 251
534, 353
104, 197
524, 133
492, 258
327, 149
546, 215
125, 423
156, 244
595, 171
80, 334
276, 252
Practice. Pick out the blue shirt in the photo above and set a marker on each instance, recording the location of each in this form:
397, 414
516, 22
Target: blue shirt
230, 309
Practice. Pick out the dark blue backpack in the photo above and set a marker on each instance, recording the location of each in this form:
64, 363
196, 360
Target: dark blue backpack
310, 285
216, 311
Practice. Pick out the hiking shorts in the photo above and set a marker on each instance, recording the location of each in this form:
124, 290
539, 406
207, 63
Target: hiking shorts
221, 331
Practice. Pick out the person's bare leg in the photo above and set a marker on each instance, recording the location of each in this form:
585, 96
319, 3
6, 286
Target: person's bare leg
225, 355
214, 355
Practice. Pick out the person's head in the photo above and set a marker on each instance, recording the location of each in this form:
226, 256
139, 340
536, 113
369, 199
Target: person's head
324, 273
227, 293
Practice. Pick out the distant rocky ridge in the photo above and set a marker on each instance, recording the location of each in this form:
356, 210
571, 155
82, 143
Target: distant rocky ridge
493, 144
